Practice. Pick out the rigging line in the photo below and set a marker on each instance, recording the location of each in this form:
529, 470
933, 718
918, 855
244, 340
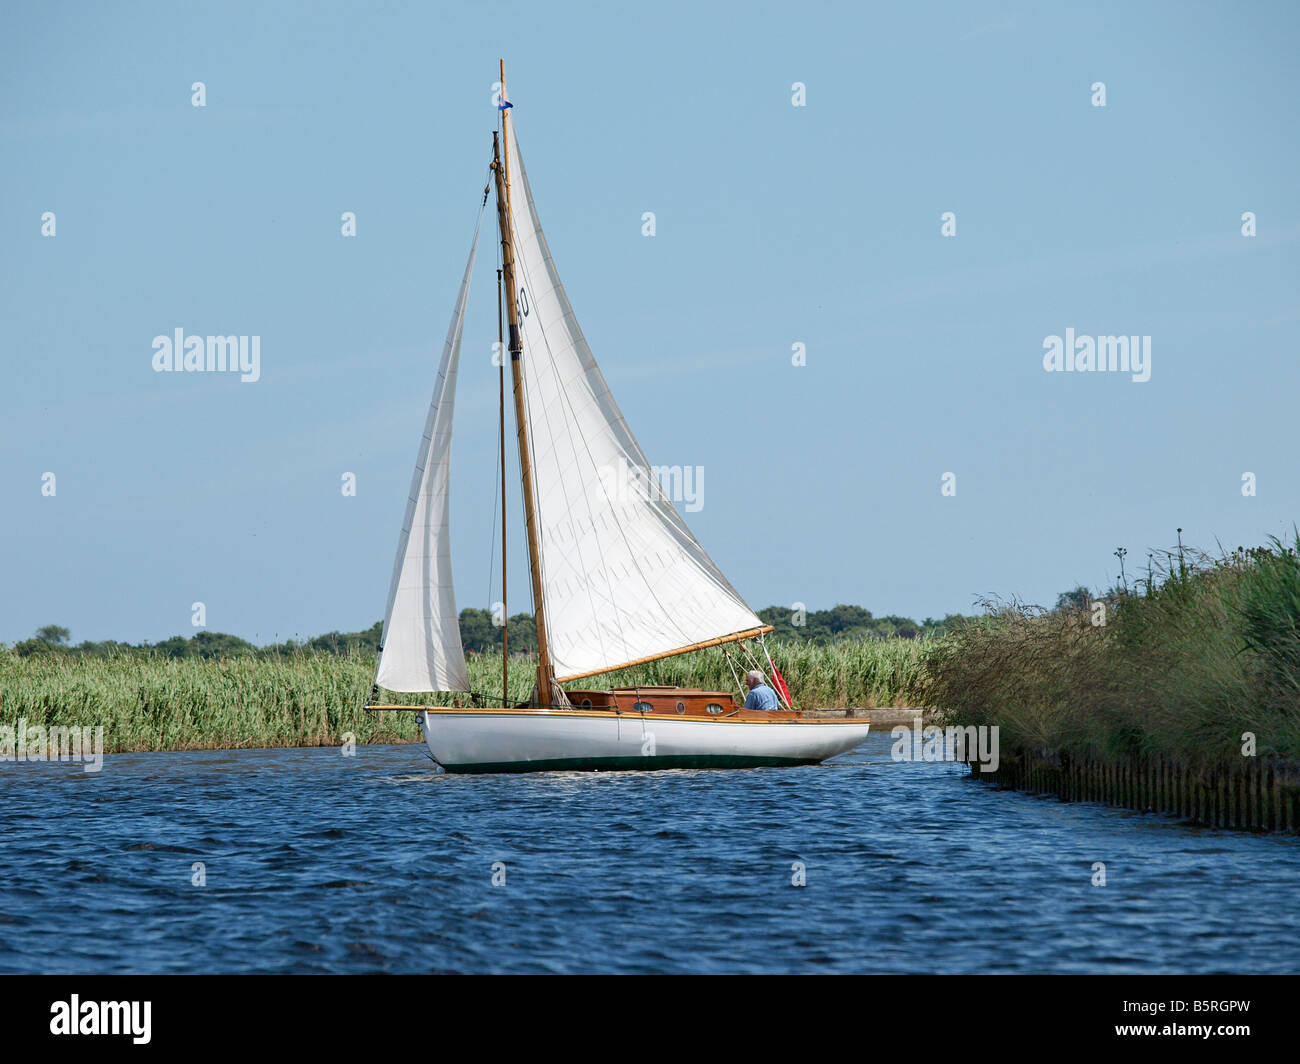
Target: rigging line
496, 479
754, 664
732, 666
758, 667
523, 522
771, 665
559, 289
492, 539
519, 453
537, 531
528, 408
549, 696
496, 465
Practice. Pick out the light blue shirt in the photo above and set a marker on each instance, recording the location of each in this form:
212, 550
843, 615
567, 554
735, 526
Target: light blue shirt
762, 697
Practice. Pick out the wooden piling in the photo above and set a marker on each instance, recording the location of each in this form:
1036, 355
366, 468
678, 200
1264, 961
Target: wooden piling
1253, 820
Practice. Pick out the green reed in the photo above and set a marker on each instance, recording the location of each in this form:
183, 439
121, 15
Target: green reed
314, 698
1185, 667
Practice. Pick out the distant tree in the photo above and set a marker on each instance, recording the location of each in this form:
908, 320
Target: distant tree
175, 647
27, 647
477, 632
108, 648
1078, 599
782, 618
842, 620
478, 635
219, 645
349, 642
951, 621
51, 639
894, 627
850, 623
523, 634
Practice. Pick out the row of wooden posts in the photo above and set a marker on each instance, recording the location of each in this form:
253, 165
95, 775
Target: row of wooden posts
1254, 794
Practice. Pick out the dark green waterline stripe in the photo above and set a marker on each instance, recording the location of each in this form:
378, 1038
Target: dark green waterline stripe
619, 764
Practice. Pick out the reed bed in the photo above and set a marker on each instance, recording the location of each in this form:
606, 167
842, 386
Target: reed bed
1191, 664
159, 703
870, 674
315, 698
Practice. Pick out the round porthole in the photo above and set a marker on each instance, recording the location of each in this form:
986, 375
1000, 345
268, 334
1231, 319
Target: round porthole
713, 708
586, 703
681, 707
643, 707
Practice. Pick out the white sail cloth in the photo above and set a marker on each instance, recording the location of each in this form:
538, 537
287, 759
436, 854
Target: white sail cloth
421, 641
623, 578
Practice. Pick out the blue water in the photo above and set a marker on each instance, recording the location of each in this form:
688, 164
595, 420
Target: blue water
320, 863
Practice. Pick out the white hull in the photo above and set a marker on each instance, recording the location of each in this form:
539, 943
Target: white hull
539, 741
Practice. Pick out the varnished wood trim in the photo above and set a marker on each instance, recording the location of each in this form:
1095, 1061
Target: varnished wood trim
607, 714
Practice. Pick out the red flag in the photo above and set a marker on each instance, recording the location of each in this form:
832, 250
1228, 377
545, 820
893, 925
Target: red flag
778, 681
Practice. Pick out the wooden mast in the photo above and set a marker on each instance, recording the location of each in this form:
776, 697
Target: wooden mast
501, 410
545, 677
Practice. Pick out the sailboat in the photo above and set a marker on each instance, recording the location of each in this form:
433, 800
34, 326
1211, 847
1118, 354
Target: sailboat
618, 580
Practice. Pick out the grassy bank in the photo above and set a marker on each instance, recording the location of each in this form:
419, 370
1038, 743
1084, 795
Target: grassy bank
1184, 664
314, 698
159, 703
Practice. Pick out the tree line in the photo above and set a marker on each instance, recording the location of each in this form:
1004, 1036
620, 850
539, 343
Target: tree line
480, 633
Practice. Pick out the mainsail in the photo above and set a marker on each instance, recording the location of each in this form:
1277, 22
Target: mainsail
623, 578
421, 641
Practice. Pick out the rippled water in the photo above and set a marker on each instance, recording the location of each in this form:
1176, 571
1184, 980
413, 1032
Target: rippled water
320, 863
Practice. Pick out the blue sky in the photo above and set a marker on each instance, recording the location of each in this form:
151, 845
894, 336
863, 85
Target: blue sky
775, 225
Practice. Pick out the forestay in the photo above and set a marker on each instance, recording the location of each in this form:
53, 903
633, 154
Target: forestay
624, 580
421, 641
